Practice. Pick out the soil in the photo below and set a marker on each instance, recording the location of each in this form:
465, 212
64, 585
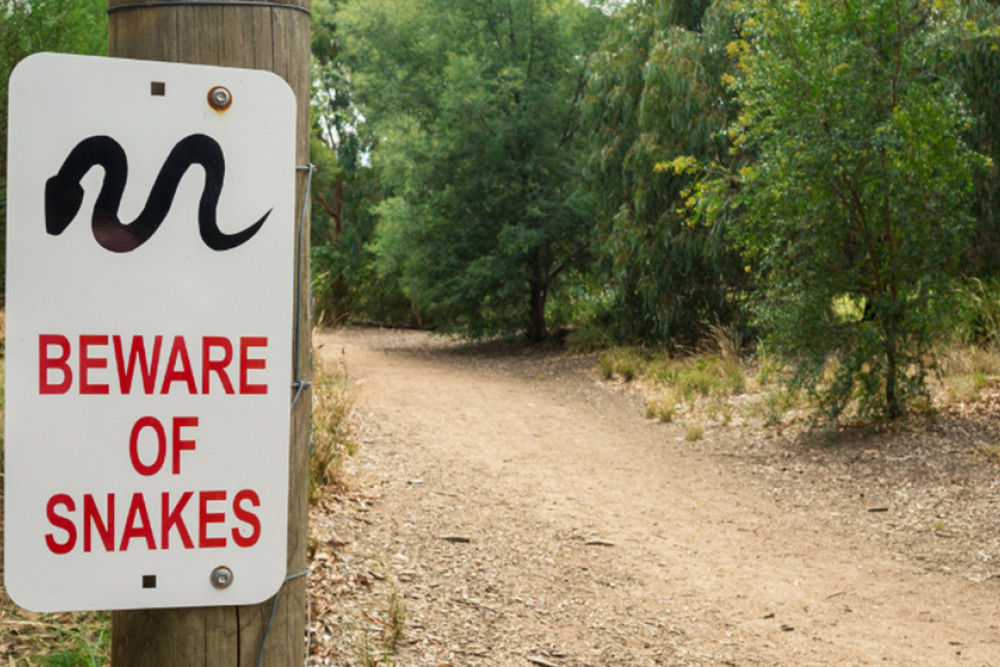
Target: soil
518, 509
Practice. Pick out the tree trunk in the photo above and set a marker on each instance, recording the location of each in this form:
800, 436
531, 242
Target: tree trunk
892, 404
275, 37
340, 282
338, 205
536, 324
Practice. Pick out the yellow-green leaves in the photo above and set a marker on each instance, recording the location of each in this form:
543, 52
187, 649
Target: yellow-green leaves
681, 164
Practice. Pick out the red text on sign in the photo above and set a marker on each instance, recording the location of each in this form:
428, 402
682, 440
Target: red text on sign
151, 425
94, 364
120, 522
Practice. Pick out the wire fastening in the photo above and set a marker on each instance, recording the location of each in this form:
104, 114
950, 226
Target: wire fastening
208, 3
270, 619
299, 386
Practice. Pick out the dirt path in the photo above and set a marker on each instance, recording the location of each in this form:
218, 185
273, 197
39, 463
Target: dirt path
525, 513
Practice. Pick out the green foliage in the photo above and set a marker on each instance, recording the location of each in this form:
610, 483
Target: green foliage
345, 279
345, 192
859, 189
64, 26
976, 316
475, 106
656, 94
977, 64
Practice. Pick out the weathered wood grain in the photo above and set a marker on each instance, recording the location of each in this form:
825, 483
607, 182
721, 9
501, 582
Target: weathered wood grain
274, 39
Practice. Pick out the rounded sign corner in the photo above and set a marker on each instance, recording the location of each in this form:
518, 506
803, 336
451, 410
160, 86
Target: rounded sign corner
263, 592
282, 88
22, 598
26, 64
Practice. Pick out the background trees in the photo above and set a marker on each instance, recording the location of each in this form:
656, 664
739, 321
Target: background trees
655, 93
476, 110
856, 206
977, 66
487, 166
345, 190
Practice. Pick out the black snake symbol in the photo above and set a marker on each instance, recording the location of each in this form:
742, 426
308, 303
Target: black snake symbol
64, 194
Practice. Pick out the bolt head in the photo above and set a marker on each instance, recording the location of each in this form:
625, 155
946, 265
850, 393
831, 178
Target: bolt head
222, 577
219, 98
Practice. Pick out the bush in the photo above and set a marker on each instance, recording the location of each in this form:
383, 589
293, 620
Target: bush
858, 195
977, 312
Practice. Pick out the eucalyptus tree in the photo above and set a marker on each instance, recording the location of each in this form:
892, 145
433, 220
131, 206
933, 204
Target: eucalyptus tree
857, 204
475, 105
344, 188
978, 68
656, 94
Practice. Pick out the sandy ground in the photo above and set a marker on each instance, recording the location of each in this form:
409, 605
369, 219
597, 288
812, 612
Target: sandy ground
523, 511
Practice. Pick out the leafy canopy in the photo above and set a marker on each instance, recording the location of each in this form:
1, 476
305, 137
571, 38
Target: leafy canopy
655, 94
856, 206
476, 107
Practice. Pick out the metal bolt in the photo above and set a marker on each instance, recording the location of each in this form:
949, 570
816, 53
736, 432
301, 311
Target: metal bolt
222, 576
219, 98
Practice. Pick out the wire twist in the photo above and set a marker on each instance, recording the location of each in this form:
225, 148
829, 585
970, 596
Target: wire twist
299, 385
209, 3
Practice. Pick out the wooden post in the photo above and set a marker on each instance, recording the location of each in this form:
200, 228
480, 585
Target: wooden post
272, 35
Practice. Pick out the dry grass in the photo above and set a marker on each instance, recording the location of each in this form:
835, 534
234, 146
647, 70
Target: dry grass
965, 370
716, 386
376, 643
694, 431
701, 386
991, 452
662, 406
333, 429
53, 640
622, 362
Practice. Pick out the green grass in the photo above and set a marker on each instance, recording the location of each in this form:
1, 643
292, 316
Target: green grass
775, 404
978, 312
27, 639
698, 376
587, 339
703, 382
